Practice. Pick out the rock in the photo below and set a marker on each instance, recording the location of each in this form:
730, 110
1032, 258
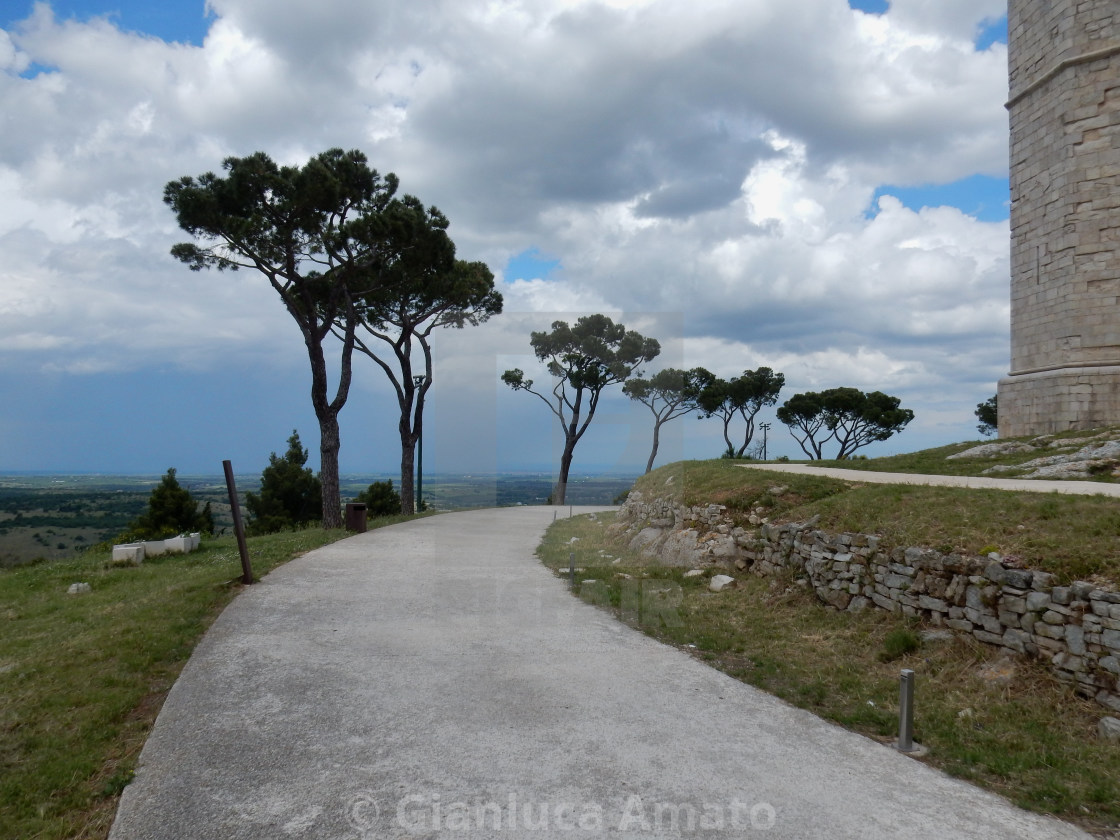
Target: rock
691, 573
1075, 638
1000, 672
1038, 601
680, 548
1109, 729
79, 588
937, 635
720, 582
993, 450
645, 538
1074, 464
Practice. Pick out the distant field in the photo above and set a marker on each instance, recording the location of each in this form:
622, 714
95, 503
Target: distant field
51, 517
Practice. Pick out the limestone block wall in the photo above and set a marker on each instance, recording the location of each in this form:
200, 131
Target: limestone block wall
1057, 401
1064, 67
1075, 629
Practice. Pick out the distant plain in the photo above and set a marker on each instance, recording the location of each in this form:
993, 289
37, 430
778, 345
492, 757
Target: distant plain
54, 516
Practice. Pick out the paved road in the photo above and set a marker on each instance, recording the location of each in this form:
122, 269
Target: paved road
1040, 485
432, 679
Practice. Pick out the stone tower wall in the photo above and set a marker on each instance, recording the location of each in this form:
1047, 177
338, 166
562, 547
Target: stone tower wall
1064, 71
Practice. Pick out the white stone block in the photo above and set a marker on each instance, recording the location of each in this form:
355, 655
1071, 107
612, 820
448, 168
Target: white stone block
178, 545
128, 554
154, 548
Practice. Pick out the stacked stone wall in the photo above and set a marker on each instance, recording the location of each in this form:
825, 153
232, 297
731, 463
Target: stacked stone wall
1075, 628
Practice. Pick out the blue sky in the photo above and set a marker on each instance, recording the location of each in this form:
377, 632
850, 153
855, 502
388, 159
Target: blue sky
169, 21
985, 197
839, 215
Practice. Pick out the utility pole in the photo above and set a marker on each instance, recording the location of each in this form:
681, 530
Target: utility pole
765, 428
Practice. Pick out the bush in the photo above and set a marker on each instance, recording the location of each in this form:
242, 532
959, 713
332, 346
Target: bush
171, 511
291, 495
380, 499
898, 643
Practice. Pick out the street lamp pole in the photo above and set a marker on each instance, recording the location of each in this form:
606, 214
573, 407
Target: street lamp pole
419, 381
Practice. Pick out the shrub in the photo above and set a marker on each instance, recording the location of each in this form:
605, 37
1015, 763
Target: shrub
171, 511
380, 499
898, 643
290, 497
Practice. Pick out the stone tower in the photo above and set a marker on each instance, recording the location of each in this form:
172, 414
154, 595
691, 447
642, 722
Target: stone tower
1064, 64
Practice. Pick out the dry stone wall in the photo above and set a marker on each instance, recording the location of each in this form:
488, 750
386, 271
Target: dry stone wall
1075, 628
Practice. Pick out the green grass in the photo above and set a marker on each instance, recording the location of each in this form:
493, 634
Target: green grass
726, 482
1032, 739
1073, 537
82, 677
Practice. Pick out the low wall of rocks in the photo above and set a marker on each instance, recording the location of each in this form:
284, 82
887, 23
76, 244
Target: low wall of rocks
1075, 628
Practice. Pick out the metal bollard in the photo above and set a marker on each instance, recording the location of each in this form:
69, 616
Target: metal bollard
906, 711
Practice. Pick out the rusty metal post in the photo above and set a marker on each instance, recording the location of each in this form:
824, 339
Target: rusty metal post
238, 528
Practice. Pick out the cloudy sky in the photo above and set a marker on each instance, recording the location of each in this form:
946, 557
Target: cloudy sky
819, 186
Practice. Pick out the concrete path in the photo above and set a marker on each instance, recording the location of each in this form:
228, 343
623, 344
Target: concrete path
1032, 485
432, 679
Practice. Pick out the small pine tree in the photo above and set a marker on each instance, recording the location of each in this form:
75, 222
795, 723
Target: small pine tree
987, 413
290, 497
380, 499
171, 511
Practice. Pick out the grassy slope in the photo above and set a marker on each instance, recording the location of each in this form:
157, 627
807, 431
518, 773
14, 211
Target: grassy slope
82, 677
935, 461
1074, 537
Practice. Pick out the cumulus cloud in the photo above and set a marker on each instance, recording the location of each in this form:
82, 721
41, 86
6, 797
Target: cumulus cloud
719, 167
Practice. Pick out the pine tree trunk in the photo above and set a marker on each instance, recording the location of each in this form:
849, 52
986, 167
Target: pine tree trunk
326, 412
656, 443
329, 444
408, 470
561, 491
